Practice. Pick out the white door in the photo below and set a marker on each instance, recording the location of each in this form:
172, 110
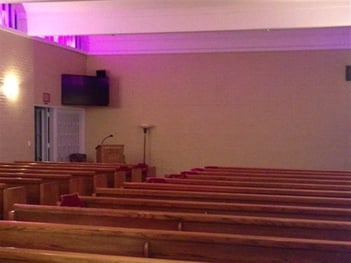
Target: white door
62, 132
69, 133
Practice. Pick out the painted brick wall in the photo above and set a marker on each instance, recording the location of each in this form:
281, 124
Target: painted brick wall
16, 124
265, 109
38, 66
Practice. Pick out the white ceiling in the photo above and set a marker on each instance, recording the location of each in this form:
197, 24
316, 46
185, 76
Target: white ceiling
110, 18
160, 16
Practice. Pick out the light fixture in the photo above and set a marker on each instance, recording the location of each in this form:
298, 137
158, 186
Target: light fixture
10, 86
146, 127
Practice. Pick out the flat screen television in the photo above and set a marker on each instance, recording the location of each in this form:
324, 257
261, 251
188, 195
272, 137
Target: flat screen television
82, 90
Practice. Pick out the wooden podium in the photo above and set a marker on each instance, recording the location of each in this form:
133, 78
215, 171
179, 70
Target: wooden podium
110, 153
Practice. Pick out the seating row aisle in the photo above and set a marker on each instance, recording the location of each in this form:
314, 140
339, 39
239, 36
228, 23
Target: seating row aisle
196, 219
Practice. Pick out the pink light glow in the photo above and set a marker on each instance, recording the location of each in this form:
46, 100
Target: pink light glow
5, 15
69, 41
8, 18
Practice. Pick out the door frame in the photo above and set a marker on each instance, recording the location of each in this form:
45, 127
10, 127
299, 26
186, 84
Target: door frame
52, 130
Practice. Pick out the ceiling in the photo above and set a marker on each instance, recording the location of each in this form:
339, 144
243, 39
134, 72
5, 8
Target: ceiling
198, 23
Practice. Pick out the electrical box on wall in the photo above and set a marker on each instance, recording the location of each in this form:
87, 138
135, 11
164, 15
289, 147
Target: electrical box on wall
348, 73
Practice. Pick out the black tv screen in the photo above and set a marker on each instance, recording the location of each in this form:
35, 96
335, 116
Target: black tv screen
84, 90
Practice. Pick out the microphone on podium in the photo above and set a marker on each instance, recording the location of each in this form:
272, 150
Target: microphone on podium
104, 139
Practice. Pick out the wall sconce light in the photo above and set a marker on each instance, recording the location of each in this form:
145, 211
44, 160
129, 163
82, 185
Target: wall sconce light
10, 86
146, 128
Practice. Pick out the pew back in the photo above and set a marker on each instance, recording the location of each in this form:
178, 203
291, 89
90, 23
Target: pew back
85, 179
116, 173
266, 179
233, 208
230, 224
11, 196
269, 176
270, 170
37, 191
15, 255
251, 183
67, 183
257, 196
286, 189
212, 247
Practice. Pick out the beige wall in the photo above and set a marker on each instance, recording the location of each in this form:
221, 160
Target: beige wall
16, 127
38, 67
268, 109
282, 109
50, 62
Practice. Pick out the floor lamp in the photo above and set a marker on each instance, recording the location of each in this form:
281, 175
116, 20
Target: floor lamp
146, 128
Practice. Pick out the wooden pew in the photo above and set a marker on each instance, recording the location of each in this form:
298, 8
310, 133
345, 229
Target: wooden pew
37, 191
230, 224
107, 175
285, 188
178, 194
115, 176
232, 208
85, 179
117, 173
273, 175
15, 255
147, 171
8, 197
294, 197
104, 175
67, 183
263, 179
210, 247
245, 183
258, 170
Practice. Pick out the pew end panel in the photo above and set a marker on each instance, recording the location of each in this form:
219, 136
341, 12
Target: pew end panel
11, 196
49, 193
101, 180
137, 175
119, 178
2, 187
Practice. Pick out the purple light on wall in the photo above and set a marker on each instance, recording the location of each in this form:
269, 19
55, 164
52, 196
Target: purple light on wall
8, 18
8, 15
69, 41
5, 15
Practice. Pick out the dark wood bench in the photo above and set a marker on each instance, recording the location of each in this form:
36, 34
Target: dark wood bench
37, 191
262, 179
15, 255
268, 188
66, 182
233, 208
85, 179
104, 174
338, 176
210, 247
117, 173
9, 196
230, 224
271, 170
281, 197
245, 183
